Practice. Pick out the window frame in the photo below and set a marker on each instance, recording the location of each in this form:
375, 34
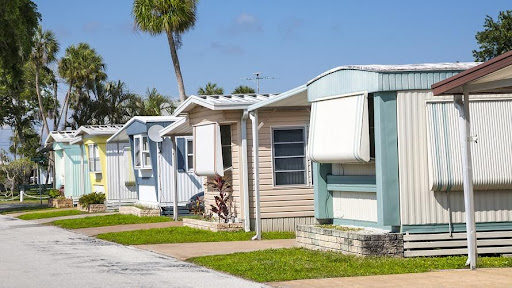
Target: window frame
306, 170
188, 154
230, 145
141, 151
94, 158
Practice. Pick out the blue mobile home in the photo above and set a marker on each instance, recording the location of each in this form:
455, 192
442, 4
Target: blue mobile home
152, 163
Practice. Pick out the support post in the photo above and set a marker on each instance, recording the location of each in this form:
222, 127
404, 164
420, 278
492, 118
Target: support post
465, 130
256, 162
245, 171
174, 179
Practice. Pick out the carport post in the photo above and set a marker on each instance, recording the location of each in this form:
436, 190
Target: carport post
174, 178
465, 139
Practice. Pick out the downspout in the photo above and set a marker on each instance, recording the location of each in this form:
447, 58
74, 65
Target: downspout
245, 171
256, 171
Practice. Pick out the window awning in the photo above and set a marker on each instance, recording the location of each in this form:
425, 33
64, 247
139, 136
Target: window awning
208, 150
339, 129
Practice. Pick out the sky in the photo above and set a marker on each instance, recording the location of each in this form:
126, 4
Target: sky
290, 40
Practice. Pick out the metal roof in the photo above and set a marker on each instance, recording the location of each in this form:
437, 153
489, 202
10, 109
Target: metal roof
60, 137
425, 67
98, 129
121, 135
493, 76
221, 102
180, 127
295, 97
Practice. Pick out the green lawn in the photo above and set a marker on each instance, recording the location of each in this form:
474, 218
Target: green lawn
41, 215
107, 220
25, 209
298, 263
184, 235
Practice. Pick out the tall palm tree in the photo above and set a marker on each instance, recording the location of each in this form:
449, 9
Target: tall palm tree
210, 89
242, 89
81, 67
172, 17
43, 53
157, 103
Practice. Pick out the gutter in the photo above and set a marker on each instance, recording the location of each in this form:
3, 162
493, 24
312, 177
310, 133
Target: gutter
245, 171
256, 162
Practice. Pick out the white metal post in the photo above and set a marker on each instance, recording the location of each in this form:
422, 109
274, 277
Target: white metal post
465, 130
175, 178
245, 175
256, 172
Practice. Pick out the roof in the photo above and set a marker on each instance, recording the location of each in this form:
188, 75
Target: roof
221, 102
98, 129
295, 97
180, 127
493, 76
457, 66
121, 135
60, 137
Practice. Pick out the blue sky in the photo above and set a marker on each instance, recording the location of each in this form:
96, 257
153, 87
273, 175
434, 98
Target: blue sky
292, 41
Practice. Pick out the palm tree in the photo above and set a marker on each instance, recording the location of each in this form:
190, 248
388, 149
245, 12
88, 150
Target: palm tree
210, 89
156, 103
242, 89
82, 68
43, 53
172, 17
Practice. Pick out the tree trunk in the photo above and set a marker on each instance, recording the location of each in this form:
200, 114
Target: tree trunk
176, 63
55, 101
41, 108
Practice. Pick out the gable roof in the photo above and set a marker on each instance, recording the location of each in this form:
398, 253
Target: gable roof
221, 102
98, 129
121, 134
60, 137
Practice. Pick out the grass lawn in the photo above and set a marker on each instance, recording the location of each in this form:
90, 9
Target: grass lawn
41, 215
25, 209
30, 201
107, 220
298, 263
184, 235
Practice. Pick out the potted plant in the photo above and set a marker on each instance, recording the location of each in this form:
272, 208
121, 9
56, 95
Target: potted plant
58, 200
92, 202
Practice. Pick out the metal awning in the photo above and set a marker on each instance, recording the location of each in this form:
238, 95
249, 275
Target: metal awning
492, 77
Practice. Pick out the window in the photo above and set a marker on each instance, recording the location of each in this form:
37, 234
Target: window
141, 154
94, 158
225, 140
190, 155
289, 156
371, 125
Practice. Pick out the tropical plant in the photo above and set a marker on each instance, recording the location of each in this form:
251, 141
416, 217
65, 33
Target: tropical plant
496, 38
43, 53
172, 17
210, 89
223, 203
82, 68
92, 198
155, 103
242, 89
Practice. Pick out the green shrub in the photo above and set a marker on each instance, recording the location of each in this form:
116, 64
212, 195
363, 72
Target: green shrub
91, 198
54, 193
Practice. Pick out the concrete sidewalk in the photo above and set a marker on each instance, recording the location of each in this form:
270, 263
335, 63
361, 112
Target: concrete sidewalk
495, 277
184, 251
48, 220
93, 231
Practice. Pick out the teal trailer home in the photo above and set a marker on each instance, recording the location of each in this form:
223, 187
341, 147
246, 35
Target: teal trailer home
386, 155
70, 163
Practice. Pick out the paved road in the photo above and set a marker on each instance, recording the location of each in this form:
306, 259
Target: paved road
33, 255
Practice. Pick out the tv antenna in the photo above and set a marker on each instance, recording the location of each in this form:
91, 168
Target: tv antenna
257, 77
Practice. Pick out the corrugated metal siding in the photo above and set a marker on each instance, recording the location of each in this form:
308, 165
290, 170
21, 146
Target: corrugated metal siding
72, 164
59, 169
116, 174
350, 81
491, 155
418, 204
355, 205
283, 224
